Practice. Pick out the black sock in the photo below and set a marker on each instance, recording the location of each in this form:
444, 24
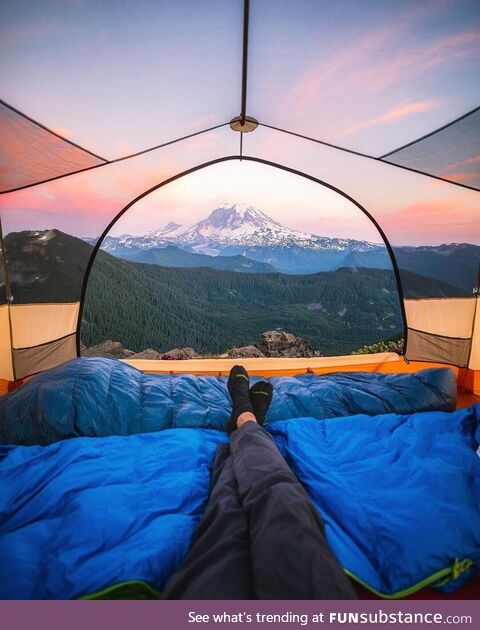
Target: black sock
261, 396
238, 387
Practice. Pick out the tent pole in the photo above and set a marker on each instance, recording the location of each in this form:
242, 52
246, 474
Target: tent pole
246, 16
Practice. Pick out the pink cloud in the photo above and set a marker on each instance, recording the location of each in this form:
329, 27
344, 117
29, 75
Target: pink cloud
94, 197
472, 160
401, 111
369, 75
433, 221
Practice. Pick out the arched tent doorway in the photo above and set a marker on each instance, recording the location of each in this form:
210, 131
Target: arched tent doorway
128, 212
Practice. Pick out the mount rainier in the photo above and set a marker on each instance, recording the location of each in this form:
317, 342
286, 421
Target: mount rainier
242, 230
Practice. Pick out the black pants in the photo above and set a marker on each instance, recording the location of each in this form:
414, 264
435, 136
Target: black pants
261, 537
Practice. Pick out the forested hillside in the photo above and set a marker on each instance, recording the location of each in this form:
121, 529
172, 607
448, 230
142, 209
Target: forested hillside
146, 306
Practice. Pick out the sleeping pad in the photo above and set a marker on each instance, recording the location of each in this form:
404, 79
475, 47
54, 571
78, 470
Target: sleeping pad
399, 494
100, 397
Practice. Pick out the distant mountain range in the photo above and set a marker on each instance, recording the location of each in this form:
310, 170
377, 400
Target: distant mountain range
173, 256
243, 238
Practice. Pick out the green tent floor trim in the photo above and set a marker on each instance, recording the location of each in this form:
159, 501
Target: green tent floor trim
137, 589
436, 579
132, 589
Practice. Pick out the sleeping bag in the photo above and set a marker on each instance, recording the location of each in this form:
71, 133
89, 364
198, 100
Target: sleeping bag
101, 397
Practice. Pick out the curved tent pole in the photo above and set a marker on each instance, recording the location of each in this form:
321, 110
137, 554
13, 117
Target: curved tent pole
260, 161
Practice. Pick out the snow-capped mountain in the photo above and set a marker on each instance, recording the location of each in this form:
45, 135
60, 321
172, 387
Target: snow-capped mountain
238, 229
242, 226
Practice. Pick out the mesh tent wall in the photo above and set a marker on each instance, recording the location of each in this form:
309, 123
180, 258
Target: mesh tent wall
410, 171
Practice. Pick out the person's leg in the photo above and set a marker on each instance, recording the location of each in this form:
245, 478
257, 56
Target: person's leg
218, 563
290, 556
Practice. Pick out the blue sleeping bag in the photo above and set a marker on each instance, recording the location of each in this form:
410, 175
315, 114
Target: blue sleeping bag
400, 496
101, 397
83, 514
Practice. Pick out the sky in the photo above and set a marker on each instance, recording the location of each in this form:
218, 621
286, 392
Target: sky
119, 76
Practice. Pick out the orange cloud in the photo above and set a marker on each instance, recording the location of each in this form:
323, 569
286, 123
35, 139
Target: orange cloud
62, 131
458, 173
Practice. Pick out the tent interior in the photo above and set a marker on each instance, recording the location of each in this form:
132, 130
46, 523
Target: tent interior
151, 151
383, 114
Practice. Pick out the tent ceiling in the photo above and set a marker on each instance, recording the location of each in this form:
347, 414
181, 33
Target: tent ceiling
118, 77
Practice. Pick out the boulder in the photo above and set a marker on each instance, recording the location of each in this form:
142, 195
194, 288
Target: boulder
278, 343
245, 352
108, 349
180, 353
149, 354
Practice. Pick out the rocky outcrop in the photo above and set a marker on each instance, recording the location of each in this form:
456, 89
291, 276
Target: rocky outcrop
245, 352
274, 344
109, 349
149, 354
180, 353
278, 343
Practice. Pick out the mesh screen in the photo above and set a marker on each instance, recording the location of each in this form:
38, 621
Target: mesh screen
30, 154
452, 153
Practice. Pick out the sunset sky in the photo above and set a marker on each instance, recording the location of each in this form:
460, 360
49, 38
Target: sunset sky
119, 76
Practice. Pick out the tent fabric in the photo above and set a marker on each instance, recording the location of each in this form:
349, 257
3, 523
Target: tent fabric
38, 336
35, 324
101, 397
30, 153
474, 362
424, 346
6, 366
448, 317
442, 330
330, 70
43, 356
55, 543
